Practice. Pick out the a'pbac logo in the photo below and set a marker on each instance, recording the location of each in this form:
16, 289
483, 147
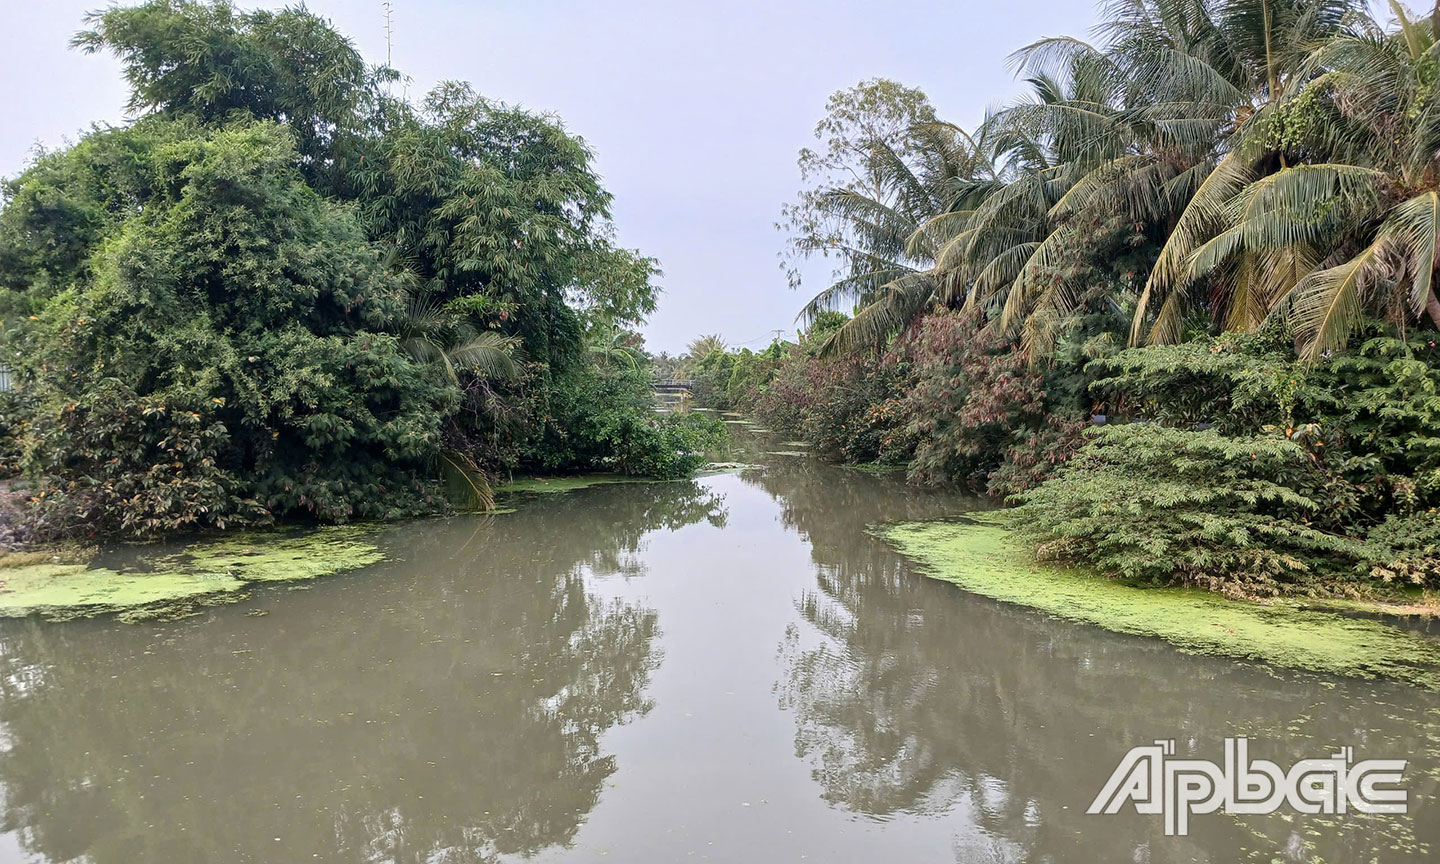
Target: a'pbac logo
1156, 782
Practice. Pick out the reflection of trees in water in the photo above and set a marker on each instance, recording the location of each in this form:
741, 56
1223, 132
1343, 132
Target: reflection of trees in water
610, 521
443, 708
910, 697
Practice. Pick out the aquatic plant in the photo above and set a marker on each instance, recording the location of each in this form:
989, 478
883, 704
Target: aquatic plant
984, 556
172, 584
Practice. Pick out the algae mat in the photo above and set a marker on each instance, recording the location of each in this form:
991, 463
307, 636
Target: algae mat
982, 557
567, 483
175, 583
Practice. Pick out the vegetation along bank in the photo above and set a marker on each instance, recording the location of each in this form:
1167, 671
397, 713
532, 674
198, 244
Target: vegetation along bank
1176, 304
285, 294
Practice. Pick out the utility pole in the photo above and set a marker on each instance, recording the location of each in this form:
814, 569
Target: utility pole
389, 29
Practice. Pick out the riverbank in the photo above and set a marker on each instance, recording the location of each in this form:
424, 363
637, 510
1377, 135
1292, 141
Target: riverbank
61, 582
981, 556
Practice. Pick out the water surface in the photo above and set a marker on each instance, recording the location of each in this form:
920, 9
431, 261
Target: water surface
728, 669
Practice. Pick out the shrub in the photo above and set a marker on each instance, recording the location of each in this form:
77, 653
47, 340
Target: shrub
971, 394
1036, 456
751, 374
711, 380
115, 461
1150, 502
980, 413
851, 414
665, 447
1237, 383
782, 405
1405, 550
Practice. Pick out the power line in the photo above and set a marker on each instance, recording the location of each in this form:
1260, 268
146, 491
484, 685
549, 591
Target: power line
772, 336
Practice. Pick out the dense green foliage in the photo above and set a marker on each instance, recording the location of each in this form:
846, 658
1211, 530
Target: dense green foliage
1200, 165
1245, 193
1150, 501
1256, 472
284, 292
222, 356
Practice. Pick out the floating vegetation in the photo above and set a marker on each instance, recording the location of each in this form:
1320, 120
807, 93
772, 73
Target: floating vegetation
981, 556
874, 467
169, 585
714, 468
276, 557
567, 484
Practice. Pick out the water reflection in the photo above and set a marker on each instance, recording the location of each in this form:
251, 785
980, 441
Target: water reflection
444, 707
912, 698
496, 692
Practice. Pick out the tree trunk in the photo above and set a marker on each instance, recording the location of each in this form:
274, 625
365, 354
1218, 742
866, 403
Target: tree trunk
1432, 307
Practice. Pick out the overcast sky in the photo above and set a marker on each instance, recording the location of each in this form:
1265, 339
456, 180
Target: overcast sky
696, 109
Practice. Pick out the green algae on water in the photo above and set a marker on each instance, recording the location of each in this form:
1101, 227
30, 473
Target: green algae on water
73, 590
276, 557
568, 483
874, 467
982, 557
723, 467
164, 586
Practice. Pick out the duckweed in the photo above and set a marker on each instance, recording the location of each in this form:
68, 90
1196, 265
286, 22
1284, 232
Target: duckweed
982, 557
566, 484
163, 586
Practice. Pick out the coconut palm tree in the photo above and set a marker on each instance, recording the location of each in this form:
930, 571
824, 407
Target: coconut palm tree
1252, 60
1364, 211
704, 346
1166, 122
1132, 126
924, 193
1139, 127
612, 347
435, 334
432, 333
1071, 148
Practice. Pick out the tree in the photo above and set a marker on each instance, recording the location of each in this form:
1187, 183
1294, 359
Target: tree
500, 212
704, 346
1140, 140
214, 64
1363, 210
887, 173
282, 291
227, 362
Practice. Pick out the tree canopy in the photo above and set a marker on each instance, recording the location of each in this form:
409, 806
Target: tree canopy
1245, 161
283, 290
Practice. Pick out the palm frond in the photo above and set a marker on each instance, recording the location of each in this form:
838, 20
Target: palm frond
465, 484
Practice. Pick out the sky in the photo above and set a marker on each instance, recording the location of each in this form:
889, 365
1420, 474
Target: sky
696, 110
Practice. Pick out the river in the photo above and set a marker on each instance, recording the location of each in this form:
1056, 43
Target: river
727, 669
